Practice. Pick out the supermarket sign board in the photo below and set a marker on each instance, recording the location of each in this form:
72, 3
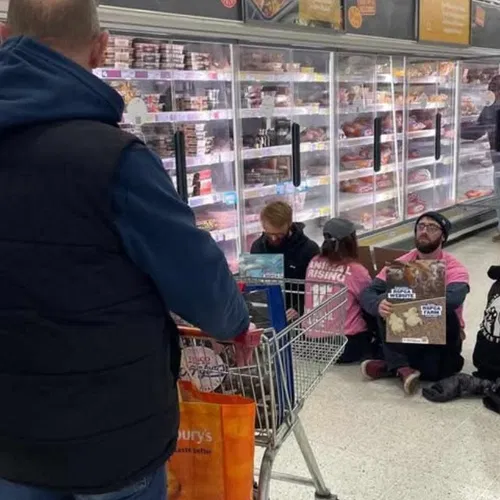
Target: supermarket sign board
219, 9
444, 21
384, 18
307, 13
485, 24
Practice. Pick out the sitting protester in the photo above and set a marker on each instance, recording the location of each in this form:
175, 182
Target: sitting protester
283, 236
411, 362
338, 264
487, 351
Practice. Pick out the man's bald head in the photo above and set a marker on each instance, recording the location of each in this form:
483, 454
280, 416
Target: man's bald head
68, 26
65, 23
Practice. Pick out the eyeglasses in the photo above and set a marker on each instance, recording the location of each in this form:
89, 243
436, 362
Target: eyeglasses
429, 228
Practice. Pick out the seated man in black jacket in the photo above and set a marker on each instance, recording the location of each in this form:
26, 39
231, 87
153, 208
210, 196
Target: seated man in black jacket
283, 236
430, 362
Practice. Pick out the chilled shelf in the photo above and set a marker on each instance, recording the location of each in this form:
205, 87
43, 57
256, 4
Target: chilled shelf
181, 116
351, 201
271, 190
421, 186
347, 175
387, 108
284, 112
464, 174
163, 75
305, 147
202, 160
285, 77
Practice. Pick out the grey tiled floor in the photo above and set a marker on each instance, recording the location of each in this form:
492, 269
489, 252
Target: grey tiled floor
373, 443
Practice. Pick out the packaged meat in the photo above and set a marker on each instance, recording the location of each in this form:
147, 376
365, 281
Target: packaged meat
120, 41
146, 57
356, 186
419, 175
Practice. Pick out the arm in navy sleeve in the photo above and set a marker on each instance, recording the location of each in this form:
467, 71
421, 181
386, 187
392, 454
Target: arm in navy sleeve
372, 296
160, 236
474, 131
455, 295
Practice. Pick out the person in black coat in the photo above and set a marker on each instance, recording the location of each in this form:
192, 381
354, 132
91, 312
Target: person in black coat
283, 236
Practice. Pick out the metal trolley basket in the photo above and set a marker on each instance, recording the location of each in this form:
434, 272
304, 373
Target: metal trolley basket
280, 371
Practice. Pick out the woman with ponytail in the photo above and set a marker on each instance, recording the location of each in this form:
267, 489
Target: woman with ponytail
338, 265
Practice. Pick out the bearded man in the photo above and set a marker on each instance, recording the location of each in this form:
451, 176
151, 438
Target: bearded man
409, 362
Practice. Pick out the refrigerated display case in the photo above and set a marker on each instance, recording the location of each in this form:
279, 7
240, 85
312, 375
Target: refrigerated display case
370, 126
371, 138
430, 135
475, 168
285, 134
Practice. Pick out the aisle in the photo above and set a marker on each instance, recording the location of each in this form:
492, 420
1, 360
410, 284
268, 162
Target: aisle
375, 444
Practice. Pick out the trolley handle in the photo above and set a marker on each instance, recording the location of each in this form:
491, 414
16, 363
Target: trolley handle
377, 137
251, 338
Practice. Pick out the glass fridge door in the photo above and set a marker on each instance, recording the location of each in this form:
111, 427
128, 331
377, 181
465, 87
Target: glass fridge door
430, 135
178, 100
266, 79
311, 132
480, 91
370, 129
201, 96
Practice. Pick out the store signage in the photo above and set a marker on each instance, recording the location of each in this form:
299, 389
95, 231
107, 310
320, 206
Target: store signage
384, 18
485, 24
444, 21
309, 13
220, 9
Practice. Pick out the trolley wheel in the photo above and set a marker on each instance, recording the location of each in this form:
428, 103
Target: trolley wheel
327, 496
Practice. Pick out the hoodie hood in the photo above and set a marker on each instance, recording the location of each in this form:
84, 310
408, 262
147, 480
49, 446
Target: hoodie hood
39, 85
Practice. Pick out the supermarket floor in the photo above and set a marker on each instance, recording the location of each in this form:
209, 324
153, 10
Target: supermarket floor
373, 443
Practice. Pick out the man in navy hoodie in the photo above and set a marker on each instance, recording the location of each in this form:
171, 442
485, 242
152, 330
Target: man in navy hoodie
96, 249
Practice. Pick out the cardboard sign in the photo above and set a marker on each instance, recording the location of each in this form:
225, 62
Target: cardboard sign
417, 291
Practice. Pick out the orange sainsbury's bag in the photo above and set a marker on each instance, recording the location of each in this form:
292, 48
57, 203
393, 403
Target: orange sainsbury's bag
215, 451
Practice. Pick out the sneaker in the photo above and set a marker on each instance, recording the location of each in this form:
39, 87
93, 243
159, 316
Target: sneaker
410, 379
374, 369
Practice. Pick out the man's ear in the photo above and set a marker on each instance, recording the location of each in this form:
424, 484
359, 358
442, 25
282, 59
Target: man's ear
98, 50
4, 32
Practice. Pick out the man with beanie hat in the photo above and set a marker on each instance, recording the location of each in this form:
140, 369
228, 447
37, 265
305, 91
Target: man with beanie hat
427, 362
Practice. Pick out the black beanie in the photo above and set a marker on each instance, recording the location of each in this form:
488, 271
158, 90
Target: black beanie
443, 222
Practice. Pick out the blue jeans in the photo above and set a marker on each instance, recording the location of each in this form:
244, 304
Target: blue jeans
152, 487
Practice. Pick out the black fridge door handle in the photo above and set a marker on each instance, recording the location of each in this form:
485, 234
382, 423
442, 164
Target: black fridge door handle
497, 132
296, 174
377, 138
180, 165
437, 144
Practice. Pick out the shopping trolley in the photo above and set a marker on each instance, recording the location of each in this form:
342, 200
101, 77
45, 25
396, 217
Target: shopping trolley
281, 370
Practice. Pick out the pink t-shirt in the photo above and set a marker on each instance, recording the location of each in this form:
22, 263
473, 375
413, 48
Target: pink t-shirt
321, 279
455, 273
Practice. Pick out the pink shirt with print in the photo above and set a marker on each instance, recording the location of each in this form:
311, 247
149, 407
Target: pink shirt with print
455, 273
353, 275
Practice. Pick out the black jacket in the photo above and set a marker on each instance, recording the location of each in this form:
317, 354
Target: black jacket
298, 251
486, 355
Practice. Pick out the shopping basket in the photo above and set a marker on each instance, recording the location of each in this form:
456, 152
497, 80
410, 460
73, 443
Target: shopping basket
284, 367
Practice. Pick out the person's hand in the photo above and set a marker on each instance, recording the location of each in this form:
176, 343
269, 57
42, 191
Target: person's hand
385, 308
245, 345
291, 315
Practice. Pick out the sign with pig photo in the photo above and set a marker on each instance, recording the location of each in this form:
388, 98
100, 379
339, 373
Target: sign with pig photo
417, 291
